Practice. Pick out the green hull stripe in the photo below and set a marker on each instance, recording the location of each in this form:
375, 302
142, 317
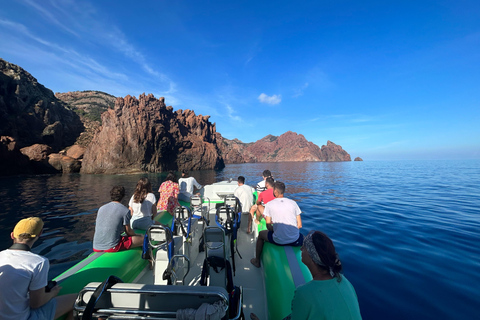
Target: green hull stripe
279, 282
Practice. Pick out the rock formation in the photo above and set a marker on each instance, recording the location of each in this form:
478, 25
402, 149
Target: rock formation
358, 159
334, 152
30, 112
145, 135
11, 159
89, 105
289, 146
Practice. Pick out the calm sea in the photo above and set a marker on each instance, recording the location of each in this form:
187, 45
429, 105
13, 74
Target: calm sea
407, 232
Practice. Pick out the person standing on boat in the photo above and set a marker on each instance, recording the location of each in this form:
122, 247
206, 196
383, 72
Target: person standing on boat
112, 220
142, 206
169, 191
264, 198
244, 194
261, 185
329, 295
23, 278
284, 214
186, 184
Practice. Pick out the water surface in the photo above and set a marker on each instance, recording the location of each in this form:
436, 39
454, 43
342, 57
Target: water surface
407, 232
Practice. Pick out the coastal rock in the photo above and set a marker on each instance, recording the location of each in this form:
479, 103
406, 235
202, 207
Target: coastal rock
145, 135
76, 151
64, 163
89, 105
30, 112
12, 160
289, 146
234, 151
37, 152
358, 159
334, 152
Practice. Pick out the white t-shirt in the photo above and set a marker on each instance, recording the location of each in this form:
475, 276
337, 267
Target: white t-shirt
244, 193
20, 271
143, 209
284, 214
186, 186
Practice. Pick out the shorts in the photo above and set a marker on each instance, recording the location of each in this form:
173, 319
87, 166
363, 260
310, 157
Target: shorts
124, 244
47, 311
296, 243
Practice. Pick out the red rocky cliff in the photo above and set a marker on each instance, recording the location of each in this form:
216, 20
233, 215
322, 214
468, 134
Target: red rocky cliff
145, 135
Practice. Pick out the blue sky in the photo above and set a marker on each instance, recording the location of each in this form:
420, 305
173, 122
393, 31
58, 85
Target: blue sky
383, 79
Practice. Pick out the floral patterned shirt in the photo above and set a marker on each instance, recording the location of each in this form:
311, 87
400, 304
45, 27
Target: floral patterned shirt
168, 196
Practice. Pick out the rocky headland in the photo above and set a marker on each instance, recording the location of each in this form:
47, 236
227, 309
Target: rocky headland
94, 132
289, 146
145, 135
32, 115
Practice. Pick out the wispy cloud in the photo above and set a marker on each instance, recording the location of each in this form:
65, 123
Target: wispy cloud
274, 99
82, 21
299, 91
230, 113
49, 16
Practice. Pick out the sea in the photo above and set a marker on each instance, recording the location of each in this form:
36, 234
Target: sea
407, 232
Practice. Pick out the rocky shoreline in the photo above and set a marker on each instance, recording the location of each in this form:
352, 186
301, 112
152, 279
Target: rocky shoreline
94, 132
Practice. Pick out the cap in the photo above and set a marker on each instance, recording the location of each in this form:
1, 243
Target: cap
32, 226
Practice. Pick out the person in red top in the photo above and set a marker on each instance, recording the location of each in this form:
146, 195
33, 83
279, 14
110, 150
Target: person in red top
169, 191
264, 197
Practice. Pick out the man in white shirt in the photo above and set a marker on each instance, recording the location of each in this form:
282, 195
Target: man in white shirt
284, 214
23, 277
186, 184
244, 194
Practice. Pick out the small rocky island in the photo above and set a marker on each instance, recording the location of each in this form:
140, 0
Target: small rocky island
94, 132
358, 159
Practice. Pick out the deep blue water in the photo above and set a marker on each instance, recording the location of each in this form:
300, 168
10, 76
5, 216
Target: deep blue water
407, 232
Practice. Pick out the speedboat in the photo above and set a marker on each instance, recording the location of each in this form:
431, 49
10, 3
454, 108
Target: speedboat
195, 265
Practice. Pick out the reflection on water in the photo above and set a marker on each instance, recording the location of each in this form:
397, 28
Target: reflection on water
407, 231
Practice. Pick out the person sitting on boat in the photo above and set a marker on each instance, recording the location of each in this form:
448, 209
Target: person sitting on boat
24, 276
169, 191
285, 215
264, 198
112, 220
261, 185
186, 184
329, 295
142, 206
244, 194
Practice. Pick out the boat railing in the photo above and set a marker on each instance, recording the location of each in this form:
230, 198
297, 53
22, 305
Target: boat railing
177, 263
134, 301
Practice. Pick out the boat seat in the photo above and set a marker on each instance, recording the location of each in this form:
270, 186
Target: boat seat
161, 247
216, 250
137, 301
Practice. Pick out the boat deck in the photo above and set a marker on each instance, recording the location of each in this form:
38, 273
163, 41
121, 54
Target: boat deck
247, 276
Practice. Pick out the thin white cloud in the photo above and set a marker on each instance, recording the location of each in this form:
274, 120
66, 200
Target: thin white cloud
275, 99
299, 91
230, 113
82, 21
49, 16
